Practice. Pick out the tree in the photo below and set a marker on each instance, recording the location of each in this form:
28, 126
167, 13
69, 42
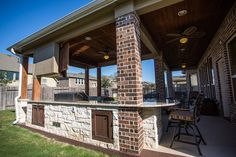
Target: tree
106, 82
3, 78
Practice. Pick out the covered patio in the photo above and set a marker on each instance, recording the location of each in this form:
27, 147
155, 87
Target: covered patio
192, 36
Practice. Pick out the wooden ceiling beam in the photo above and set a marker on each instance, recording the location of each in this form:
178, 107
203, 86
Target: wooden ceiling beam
148, 41
81, 64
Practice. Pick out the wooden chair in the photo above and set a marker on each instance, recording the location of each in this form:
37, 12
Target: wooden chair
188, 119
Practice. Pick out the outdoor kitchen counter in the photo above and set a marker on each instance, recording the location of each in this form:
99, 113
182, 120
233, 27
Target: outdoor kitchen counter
98, 104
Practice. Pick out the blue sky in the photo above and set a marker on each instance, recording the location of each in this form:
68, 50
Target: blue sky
20, 18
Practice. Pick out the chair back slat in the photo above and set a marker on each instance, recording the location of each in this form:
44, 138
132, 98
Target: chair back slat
197, 106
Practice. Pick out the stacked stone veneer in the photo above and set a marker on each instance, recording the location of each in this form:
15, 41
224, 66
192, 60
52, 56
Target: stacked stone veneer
151, 125
129, 82
75, 123
218, 49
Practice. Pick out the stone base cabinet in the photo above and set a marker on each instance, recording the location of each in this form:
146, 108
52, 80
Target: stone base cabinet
92, 125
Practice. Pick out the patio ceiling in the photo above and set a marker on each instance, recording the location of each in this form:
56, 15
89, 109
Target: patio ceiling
205, 15
88, 49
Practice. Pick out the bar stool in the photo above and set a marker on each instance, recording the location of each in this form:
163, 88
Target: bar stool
183, 106
188, 119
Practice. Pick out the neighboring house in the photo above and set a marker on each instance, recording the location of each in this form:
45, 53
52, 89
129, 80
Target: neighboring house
76, 80
179, 83
149, 89
10, 64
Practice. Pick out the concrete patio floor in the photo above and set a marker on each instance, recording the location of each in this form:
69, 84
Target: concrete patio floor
219, 134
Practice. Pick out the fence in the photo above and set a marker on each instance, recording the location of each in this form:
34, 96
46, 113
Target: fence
8, 94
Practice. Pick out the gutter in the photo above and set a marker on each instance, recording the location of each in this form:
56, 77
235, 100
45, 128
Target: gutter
19, 87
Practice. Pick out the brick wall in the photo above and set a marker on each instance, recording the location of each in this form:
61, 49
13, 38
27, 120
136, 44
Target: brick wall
217, 49
129, 82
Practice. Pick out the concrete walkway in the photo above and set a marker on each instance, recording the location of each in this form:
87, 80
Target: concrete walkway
219, 134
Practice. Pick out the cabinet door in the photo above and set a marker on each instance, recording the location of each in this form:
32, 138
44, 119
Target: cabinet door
102, 126
41, 115
38, 115
34, 115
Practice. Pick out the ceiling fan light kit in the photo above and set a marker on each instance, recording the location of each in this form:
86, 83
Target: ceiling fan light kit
183, 40
106, 56
182, 12
183, 66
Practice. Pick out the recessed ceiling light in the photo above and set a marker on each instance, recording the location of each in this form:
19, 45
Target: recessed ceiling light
88, 38
183, 66
183, 40
182, 12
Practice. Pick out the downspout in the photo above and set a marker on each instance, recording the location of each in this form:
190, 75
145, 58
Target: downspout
19, 87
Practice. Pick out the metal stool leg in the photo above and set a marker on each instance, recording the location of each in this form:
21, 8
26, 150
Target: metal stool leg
196, 141
173, 138
199, 133
169, 124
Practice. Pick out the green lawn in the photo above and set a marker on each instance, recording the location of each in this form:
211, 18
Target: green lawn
19, 142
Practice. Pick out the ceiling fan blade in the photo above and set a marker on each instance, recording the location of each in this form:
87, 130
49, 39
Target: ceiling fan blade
198, 35
77, 43
100, 52
82, 49
171, 41
173, 35
112, 52
190, 30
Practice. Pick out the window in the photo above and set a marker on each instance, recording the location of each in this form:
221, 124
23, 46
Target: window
79, 81
38, 115
17, 76
232, 56
194, 83
44, 81
10, 75
102, 125
211, 78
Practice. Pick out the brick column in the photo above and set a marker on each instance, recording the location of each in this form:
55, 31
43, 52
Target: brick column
99, 75
170, 84
129, 82
159, 78
87, 81
24, 78
36, 91
160, 89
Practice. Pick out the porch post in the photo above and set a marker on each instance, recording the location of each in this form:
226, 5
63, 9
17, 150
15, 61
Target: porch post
159, 78
87, 81
170, 84
36, 91
99, 81
24, 77
129, 81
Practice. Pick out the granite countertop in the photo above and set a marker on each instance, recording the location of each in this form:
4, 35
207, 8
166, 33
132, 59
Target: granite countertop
98, 104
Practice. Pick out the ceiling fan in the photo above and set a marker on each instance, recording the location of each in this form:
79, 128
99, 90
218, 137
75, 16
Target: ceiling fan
106, 53
190, 32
